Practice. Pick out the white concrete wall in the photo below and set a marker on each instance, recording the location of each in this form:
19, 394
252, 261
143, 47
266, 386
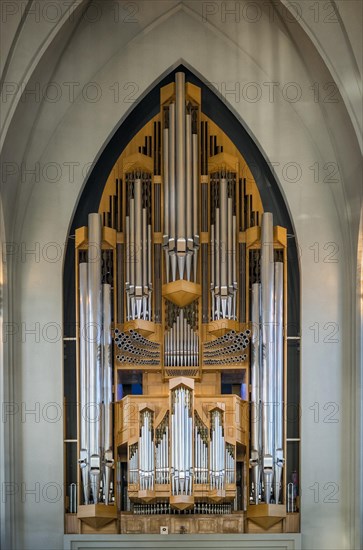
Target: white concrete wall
128, 49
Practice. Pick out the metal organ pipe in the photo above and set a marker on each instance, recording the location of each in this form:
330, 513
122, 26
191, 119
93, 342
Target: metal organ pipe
195, 202
229, 252
144, 245
107, 391
217, 250
255, 460
189, 195
132, 254
172, 196
166, 198
94, 349
279, 374
84, 382
268, 358
128, 265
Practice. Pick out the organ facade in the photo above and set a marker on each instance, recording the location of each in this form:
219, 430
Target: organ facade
181, 308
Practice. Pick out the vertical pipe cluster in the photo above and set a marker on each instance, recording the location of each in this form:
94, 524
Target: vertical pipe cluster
230, 463
146, 446
134, 463
267, 458
180, 177
200, 451
181, 442
223, 231
96, 453
138, 246
181, 342
162, 451
217, 451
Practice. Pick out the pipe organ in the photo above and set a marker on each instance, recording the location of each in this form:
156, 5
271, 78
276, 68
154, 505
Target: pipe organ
181, 300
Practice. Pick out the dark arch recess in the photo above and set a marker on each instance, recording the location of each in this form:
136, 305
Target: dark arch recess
218, 111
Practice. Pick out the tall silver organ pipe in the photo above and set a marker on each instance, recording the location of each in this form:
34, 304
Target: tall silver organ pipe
146, 447
181, 442
94, 350
268, 355
255, 460
107, 392
166, 198
223, 246
138, 246
180, 166
217, 451
84, 382
279, 377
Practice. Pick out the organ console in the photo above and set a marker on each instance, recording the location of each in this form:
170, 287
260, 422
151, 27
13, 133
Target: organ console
181, 302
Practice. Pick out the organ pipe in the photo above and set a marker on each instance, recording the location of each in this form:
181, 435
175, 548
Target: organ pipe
94, 350
268, 359
279, 376
255, 460
84, 380
107, 392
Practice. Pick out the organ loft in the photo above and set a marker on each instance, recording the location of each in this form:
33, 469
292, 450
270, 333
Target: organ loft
181, 301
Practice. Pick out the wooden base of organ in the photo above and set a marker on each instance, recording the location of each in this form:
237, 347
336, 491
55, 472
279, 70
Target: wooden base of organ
128, 523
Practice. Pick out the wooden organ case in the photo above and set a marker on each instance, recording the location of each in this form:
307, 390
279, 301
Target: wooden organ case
181, 308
